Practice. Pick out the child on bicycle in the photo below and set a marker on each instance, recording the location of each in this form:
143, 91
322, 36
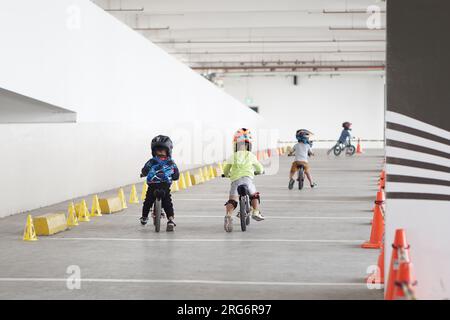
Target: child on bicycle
160, 171
345, 137
301, 151
241, 169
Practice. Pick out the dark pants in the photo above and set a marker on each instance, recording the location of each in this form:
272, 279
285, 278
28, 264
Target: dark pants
150, 199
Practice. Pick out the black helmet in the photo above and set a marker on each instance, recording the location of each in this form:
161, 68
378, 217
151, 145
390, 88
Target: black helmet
346, 125
162, 142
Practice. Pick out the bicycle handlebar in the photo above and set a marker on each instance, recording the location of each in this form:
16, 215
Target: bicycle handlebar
255, 173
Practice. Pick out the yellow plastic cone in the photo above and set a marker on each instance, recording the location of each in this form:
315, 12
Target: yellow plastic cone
29, 233
174, 187
211, 172
206, 174
181, 182
72, 219
187, 179
133, 195
122, 198
144, 191
200, 173
95, 209
83, 212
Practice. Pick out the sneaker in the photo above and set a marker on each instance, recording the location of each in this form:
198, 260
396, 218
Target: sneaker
144, 220
314, 185
228, 223
256, 215
291, 184
170, 225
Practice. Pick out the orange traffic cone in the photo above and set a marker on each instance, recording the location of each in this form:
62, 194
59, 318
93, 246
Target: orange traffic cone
382, 174
378, 276
380, 197
358, 146
376, 234
382, 180
399, 243
405, 281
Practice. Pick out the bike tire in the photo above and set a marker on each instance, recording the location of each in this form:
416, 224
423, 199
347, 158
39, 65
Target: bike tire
301, 178
351, 150
337, 150
157, 212
243, 213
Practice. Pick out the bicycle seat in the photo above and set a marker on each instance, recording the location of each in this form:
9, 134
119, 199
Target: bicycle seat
159, 193
243, 190
300, 166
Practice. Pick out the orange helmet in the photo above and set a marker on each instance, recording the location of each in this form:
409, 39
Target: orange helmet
243, 135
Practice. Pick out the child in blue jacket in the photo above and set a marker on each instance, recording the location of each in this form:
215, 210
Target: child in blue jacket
345, 136
160, 171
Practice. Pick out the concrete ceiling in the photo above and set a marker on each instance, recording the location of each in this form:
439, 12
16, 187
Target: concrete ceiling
261, 35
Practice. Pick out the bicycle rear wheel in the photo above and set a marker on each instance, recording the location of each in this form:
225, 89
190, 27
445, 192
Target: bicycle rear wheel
157, 213
337, 150
301, 178
243, 213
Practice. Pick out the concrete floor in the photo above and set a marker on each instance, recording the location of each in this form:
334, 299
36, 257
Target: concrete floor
307, 248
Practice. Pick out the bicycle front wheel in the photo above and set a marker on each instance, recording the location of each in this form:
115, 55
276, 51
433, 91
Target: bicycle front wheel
351, 150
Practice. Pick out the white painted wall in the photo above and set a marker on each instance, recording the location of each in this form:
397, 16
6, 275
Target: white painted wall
318, 103
124, 90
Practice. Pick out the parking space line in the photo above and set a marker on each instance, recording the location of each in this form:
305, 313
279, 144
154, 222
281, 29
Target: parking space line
180, 216
206, 240
188, 281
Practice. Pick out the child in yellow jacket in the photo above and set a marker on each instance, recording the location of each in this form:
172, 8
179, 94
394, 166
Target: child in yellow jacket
241, 169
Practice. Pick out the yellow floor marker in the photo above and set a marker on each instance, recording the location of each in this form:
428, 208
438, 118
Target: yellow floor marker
72, 219
29, 233
206, 174
122, 198
187, 179
133, 195
84, 212
144, 191
95, 209
181, 182
212, 173
174, 187
201, 177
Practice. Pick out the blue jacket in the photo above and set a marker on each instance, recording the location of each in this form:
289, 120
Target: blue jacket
345, 134
160, 170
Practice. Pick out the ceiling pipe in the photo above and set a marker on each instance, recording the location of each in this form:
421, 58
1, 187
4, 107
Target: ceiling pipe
265, 41
125, 10
293, 68
296, 62
355, 29
349, 11
148, 29
279, 52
